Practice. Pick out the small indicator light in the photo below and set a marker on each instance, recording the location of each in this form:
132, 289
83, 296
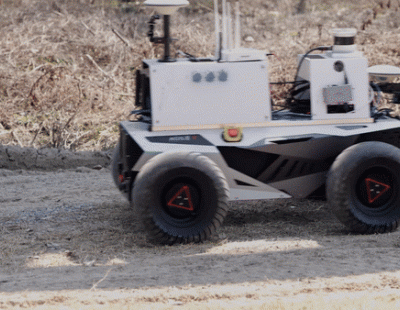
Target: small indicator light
121, 178
233, 132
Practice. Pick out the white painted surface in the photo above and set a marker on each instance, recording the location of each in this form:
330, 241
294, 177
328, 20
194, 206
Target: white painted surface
206, 93
321, 74
384, 73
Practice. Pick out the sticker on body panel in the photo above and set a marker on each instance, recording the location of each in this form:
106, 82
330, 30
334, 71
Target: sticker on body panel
181, 139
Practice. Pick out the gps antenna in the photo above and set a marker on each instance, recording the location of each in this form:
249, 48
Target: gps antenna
166, 8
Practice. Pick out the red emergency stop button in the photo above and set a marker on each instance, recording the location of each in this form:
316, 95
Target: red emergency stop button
233, 134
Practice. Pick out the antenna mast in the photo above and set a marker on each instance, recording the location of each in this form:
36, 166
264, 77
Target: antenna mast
224, 25
237, 24
217, 30
227, 39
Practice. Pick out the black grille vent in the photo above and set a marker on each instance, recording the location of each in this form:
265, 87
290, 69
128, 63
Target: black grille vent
269, 168
286, 168
249, 162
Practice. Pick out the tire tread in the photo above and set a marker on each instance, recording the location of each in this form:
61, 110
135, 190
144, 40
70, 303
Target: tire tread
338, 181
162, 163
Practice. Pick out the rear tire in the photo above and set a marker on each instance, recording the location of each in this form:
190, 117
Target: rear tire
180, 197
363, 187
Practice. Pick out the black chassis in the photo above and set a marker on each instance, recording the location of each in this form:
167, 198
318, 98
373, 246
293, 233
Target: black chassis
273, 162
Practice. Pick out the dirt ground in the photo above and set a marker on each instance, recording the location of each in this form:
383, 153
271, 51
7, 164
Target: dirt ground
70, 239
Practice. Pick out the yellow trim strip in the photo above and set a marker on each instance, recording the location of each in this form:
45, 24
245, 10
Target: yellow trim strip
267, 124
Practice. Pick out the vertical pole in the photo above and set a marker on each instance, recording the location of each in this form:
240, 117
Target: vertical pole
224, 26
229, 27
167, 39
237, 30
217, 29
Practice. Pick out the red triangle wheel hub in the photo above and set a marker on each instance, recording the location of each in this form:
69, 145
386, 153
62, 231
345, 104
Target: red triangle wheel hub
375, 189
182, 199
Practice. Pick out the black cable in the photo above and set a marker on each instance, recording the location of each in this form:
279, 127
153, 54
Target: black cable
220, 47
346, 79
284, 114
385, 110
378, 90
297, 82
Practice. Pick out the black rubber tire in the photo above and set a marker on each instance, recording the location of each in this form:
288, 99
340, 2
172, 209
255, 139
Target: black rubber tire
363, 187
165, 176
116, 158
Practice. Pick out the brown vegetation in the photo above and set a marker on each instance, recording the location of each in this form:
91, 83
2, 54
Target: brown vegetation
67, 67
71, 240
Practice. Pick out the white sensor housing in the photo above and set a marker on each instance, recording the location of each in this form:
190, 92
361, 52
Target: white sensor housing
384, 73
344, 40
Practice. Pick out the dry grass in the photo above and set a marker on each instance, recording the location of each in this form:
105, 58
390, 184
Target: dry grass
67, 67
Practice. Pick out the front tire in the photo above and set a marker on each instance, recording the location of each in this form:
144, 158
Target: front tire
363, 187
180, 197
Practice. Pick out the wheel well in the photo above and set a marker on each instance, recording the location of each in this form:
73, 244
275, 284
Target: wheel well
130, 152
390, 136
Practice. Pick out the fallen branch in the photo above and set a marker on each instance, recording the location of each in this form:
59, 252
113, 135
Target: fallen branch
101, 280
121, 38
98, 67
36, 133
205, 7
87, 28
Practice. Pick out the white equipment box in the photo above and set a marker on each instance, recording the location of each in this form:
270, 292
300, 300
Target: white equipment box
341, 74
208, 94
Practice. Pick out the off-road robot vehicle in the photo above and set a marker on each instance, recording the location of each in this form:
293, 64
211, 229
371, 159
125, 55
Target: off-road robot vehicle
204, 132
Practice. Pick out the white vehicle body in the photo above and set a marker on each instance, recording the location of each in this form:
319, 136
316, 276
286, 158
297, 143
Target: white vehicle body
221, 108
